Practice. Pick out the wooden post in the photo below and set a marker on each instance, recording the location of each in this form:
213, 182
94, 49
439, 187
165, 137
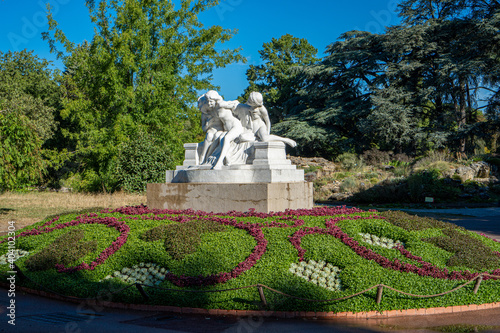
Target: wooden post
261, 294
19, 273
141, 291
478, 283
380, 290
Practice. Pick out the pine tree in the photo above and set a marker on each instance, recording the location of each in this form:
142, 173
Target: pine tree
276, 77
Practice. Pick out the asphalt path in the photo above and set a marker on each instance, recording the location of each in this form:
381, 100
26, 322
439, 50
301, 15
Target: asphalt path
481, 220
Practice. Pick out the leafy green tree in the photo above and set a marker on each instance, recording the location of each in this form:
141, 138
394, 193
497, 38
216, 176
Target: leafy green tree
28, 87
142, 69
21, 161
29, 98
275, 78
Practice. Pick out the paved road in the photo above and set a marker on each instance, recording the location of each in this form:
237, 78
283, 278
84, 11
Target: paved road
480, 220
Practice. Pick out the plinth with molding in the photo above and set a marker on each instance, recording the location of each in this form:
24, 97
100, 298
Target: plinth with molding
268, 182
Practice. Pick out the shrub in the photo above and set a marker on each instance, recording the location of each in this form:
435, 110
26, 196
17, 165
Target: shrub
495, 188
312, 168
64, 250
401, 158
468, 252
142, 160
183, 238
349, 161
434, 160
427, 183
495, 161
402, 169
348, 185
376, 157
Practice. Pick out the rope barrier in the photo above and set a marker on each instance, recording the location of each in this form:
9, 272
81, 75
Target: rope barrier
260, 288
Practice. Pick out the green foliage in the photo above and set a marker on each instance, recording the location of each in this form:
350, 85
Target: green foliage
468, 251
387, 191
29, 98
141, 71
349, 161
464, 328
493, 161
428, 183
21, 161
142, 160
182, 239
275, 77
222, 251
413, 222
411, 89
440, 161
29, 88
376, 157
348, 185
64, 250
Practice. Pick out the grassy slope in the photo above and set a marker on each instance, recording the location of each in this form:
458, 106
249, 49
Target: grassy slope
221, 252
31, 207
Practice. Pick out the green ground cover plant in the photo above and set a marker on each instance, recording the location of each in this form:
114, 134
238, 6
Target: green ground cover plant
321, 253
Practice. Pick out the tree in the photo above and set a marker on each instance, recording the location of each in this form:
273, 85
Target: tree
21, 162
140, 72
464, 56
276, 78
28, 87
328, 116
29, 97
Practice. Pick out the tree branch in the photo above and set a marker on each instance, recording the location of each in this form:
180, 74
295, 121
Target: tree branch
485, 88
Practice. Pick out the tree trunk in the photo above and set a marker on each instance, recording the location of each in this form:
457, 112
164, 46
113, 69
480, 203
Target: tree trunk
462, 112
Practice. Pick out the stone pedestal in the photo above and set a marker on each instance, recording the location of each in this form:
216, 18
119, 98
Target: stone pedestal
224, 197
268, 183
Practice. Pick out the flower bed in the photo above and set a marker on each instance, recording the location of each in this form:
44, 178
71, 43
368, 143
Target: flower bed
322, 253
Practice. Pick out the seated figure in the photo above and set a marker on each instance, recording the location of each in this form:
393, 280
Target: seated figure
255, 117
231, 127
210, 124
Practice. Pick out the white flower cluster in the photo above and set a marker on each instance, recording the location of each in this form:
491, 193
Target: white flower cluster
13, 256
146, 273
320, 273
380, 241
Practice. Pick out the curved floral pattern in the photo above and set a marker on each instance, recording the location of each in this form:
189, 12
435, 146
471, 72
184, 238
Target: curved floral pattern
286, 219
426, 269
111, 222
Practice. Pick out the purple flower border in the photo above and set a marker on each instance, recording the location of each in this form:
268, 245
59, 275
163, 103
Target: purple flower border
111, 222
425, 269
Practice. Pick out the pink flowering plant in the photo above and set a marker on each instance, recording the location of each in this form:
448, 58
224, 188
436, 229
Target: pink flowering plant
236, 249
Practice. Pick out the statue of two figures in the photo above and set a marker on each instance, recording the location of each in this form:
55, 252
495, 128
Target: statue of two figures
232, 128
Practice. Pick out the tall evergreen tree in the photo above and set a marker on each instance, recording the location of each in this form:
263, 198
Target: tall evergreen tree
329, 116
276, 78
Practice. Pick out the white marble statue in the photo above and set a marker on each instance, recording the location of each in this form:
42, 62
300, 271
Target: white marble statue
231, 128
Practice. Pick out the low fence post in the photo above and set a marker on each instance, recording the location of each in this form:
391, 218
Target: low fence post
380, 290
19, 273
141, 291
478, 283
261, 294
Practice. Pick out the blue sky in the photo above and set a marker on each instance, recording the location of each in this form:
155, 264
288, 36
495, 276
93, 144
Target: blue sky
257, 22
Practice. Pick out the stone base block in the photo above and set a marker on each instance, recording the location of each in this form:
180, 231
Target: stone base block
243, 174
224, 197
